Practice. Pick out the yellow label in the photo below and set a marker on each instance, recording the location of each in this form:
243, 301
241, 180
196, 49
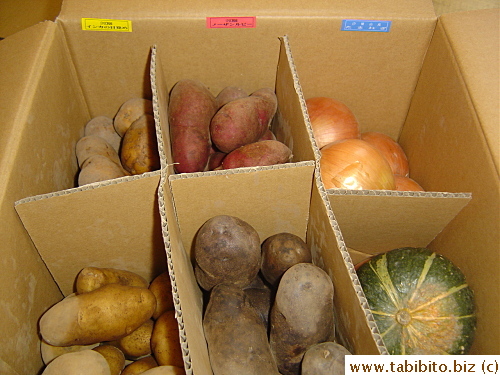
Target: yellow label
98, 24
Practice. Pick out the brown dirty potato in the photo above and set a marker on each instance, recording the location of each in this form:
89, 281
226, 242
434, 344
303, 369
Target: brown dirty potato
139, 152
91, 278
138, 343
105, 314
228, 94
78, 363
281, 251
162, 289
261, 300
326, 358
130, 111
190, 109
91, 145
226, 250
140, 366
301, 316
165, 341
165, 370
102, 126
261, 153
240, 122
236, 338
99, 168
114, 357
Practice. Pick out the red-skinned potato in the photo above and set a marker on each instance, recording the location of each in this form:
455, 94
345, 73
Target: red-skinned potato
242, 121
261, 153
190, 110
228, 94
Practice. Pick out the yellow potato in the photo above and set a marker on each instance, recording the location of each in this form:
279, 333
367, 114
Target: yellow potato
91, 278
90, 145
162, 289
105, 314
139, 152
114, 357
78, 363
99, 168
49, 352
138, 343
140, 366
102, 126
130, 111
165, 342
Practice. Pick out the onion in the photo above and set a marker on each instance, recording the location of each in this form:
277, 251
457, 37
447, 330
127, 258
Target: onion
407, 184
391, 150
331, 120
355, 164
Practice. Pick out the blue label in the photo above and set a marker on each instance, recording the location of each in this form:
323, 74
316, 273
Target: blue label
366, 25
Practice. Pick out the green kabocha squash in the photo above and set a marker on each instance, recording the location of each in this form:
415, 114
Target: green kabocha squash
420, 301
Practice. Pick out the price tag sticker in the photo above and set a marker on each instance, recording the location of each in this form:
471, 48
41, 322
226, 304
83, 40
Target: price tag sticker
231, 22
98, 24
366, 25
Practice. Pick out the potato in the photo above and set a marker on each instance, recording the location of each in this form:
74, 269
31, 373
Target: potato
49, 352
190, 109
130, 111
99, 168
90, 145
91, 278
140, 366
215, 161
236, 338
165, 370
261, 299
105, 314
326, 358
281, 251
226, 250
139, 152
240, 122
138, 343
268, 135
261, 153
114, 357
102, 126
301, 316
162, 289
165, 341
228, 94
78, 363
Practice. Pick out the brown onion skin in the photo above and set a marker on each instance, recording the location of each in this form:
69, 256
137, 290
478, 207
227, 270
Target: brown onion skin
355, 164
331, 120
404, 183
391, 150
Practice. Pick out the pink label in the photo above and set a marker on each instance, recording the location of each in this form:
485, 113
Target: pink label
231, 22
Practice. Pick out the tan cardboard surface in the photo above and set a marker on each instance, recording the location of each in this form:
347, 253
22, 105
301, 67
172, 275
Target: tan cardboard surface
475, 39
27, 286
377, 223
449, 151
16, 15
116, 225
324, 236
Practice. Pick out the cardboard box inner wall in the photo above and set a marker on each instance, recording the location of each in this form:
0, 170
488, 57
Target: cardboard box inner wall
49, 113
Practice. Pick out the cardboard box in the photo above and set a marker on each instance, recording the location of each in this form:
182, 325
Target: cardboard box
56, 76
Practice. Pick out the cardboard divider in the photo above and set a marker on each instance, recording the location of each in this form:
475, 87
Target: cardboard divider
272, 199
